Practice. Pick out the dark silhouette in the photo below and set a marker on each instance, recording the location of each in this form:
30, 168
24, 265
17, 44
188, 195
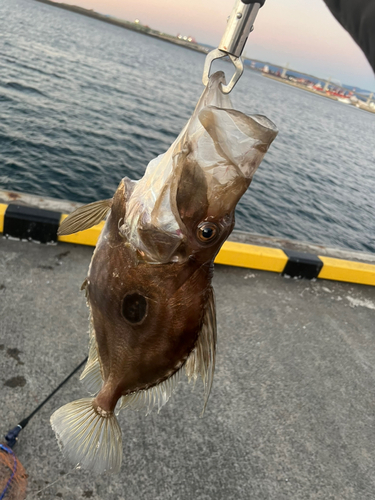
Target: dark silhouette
358, 18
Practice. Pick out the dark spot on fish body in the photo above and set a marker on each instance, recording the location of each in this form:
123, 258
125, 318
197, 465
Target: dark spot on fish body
59, 495
2, 287
88, 493
13, 382
134, 308
1, 347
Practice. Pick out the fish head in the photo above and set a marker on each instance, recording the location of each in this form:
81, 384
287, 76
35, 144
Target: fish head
184, 206
218, 167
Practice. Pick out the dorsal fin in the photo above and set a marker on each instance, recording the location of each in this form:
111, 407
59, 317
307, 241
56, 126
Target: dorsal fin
85, 217
201, 360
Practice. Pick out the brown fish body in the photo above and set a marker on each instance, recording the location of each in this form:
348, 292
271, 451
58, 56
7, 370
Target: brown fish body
146, 317
135, 357
149, 282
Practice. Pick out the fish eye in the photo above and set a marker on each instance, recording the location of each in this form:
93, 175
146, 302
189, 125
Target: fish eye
207, 231
134, 308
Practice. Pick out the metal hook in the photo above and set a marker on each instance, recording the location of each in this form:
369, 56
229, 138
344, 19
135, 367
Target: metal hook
239, 26
218, 54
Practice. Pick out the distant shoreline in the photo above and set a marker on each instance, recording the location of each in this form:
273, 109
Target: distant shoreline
144, 30
360, 105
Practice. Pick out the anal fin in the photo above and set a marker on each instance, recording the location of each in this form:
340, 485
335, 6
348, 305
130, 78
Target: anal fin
85, 217
155, 396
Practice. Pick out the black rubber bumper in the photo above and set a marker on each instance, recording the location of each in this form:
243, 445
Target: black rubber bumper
27, 223
302, 265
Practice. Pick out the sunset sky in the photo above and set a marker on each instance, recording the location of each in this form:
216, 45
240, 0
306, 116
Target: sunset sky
302, 33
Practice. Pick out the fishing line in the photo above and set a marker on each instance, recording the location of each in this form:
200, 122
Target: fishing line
15, 485
12, 436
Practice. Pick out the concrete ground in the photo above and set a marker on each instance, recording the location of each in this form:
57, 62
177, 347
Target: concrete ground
291, 414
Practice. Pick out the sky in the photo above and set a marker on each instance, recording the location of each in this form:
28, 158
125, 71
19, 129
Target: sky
302, 33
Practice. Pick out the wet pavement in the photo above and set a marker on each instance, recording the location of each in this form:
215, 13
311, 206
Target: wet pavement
292, 410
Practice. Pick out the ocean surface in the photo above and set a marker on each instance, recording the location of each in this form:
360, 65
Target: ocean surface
84, 103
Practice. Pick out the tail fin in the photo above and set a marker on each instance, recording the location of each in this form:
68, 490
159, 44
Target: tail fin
87, 438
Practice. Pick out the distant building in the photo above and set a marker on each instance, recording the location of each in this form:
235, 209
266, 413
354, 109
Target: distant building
186, 38
318, 87
283, 74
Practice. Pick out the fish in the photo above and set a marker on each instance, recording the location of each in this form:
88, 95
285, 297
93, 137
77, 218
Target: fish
148, 287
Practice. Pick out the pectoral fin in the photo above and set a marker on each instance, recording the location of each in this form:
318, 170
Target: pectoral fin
85, 217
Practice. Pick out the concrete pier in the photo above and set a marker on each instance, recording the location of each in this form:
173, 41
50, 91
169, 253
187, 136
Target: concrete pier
291, 414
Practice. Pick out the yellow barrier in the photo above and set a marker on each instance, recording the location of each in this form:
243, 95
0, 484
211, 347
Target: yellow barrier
248, 256
346, 270
251, 256
86, 237
231, 253
2, 214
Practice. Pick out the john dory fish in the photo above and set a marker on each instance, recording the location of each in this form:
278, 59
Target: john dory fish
148, 285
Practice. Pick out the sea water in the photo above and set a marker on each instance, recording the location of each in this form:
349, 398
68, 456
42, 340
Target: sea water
84, 103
